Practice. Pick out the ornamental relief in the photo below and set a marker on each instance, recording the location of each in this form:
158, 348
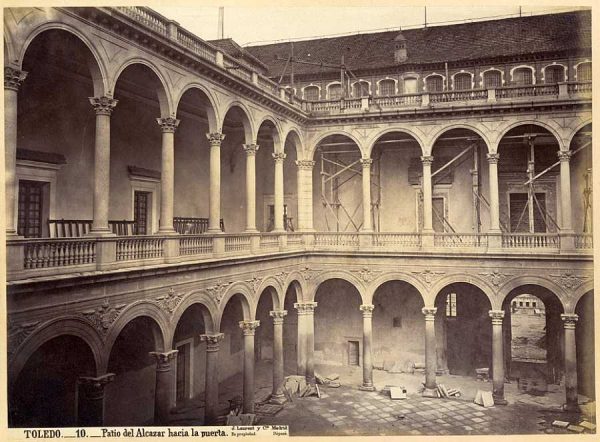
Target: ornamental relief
366, 274
429, 276
169, 302
18, 333
103, 317
496, 278
569, 280
217, 291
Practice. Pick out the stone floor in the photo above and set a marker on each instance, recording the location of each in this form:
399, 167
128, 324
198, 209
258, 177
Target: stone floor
349, 411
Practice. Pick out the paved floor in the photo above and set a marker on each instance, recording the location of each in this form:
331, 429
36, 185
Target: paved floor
349, 411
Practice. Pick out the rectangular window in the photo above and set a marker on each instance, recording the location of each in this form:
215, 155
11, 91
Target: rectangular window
451, 305
311, 93
554, 74
335, 92
387, 88
410, 85
435, 83
141, 205
520, 213
462, 82
492, 80
584, 72
522, 77
30, 212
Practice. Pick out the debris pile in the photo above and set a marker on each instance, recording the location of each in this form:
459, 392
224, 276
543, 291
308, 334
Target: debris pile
444, 392
484, 398
331, 381
297, 386
483, 374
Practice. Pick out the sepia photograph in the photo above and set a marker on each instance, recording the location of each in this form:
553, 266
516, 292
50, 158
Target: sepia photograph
297, 220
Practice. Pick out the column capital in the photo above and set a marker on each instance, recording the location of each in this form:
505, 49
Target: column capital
212, 341
249, 327
163, 359
569, 320
215, 138
103, 105
94, 386
305, 164
427, 160
564, 155
305, 308
278, 316
429, 313
493, 158
367, 309
13, 78
250, 149
168, 125
279, 156
497, 316
366, 162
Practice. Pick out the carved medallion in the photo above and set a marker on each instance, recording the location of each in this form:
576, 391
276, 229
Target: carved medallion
217, 291
568, 280
496, 277
17, 333
104, 316
429, 276
170, 301
366, 274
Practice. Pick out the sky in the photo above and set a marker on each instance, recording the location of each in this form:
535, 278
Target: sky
266, 23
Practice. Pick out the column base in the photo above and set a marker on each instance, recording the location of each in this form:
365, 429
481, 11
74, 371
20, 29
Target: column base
277, 399
430, 392
364, 387
500, 401
571, 408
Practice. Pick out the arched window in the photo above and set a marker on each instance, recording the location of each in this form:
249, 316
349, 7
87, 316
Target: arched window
522, 76
584, 72
334, 91
387, 88
311, 93
462, 81
434, 83
410, 85
360, 89
554, 74
492, 80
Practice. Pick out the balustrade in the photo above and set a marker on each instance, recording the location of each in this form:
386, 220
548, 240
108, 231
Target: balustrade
196, 45
195, 245
237, 243
39, 254
398, 100
269, 242
584, 241
139, 247
468, 95
339, 239
393, 240
146, 17
530, 240
458, 240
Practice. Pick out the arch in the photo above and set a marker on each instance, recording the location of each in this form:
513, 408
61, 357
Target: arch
164, 94
545, 283
136, 310
247, 121
300, 285
276, 134
337, 274
464, 278
71, 326
395, 276
553, 130
554, 63
368, 83
246, 297
466, 126
98, 70
272, 282
328, 88
211, 110
462, 72
482, 75
388, 130
294, 134
321, 137
209, 312
585, 288
522, 66
576, 130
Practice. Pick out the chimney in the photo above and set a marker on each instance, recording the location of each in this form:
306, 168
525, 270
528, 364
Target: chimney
400, 53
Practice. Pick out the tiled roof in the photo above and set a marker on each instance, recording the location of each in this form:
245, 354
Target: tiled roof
468, 41
230, 47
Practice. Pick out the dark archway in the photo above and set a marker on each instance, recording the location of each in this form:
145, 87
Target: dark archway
585, 339
45, 393
290, 329
231, 353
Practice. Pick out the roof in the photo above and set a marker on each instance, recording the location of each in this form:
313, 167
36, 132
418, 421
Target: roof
230, 47
437, 44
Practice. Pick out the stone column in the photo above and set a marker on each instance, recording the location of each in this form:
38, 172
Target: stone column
103, 106
214, 199
430, 351
366, 192
569, 322
90, 406
310, 341
565, 191
277, 396
250, 150
493, 159
211, 389
12, 81
497, 357
279, 201
167, 176
165, 386
427, 195
248, 328
302, 332
305, 196
367, 312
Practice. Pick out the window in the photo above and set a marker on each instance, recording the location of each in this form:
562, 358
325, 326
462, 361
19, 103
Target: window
31, 196
410, 85
462, 82
534, 304
335, 91
311, 93
451, 305
526, 303
353, 353
492, 79
584, 72
387, 88
360, 89
141, 204
434, 83
554, 74
397, 322
522, 77
520, 303
520, 213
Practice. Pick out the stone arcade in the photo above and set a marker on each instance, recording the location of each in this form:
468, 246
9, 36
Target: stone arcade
174, 216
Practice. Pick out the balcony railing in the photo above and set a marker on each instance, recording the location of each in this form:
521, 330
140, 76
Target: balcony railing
29, 258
